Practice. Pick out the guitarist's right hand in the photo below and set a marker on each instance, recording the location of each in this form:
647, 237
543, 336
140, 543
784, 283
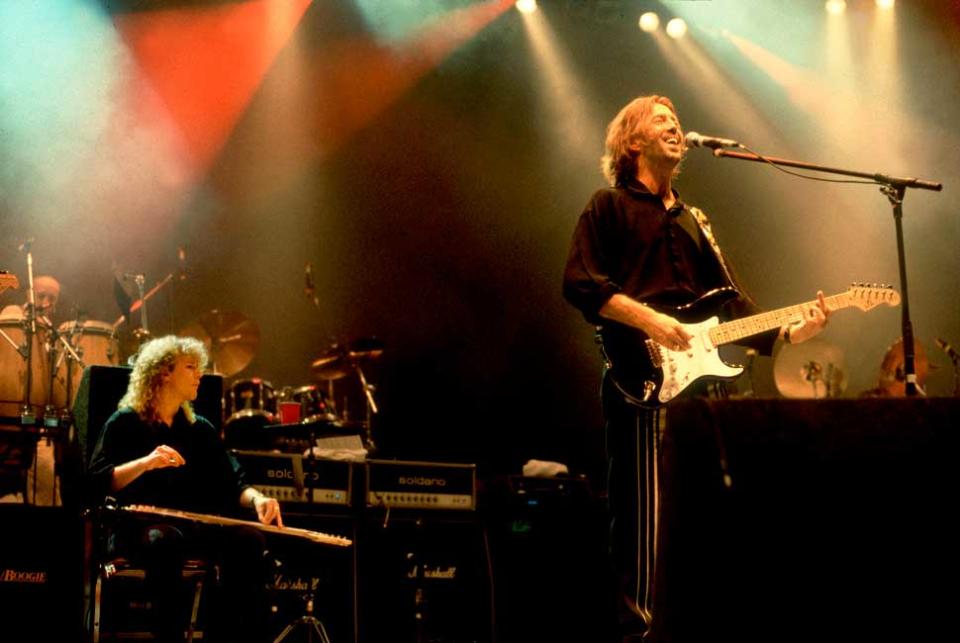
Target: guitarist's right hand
661, 328
668, 332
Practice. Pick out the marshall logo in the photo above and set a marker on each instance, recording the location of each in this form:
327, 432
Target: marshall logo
18, 576
421, 481
294, 584
436, 573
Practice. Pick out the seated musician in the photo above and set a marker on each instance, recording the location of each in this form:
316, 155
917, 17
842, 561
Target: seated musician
155, 451
47, 292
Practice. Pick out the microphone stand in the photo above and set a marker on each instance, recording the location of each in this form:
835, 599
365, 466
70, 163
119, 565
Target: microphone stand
894, 187
30, 331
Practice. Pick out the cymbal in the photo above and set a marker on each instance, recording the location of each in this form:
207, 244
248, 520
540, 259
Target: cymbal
230, 337
892, 376
340, 360
813, 369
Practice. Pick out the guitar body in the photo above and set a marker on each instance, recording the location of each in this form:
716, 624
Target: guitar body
651, 375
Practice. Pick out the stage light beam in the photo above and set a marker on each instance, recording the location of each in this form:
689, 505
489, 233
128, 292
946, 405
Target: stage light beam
649, 22
676, 28
835, 7
526, 6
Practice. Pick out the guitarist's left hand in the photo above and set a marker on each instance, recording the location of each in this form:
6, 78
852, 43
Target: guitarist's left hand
814, 320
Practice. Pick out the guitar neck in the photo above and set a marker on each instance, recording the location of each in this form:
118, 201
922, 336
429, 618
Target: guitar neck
731, 331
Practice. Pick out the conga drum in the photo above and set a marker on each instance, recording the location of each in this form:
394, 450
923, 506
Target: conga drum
95, 343
13, 369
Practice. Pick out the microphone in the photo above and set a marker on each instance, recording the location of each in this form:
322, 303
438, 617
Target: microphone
695, 139
948, 349
308, 286
26, 245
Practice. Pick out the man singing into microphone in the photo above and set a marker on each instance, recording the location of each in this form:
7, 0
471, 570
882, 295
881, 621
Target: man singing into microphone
637, 248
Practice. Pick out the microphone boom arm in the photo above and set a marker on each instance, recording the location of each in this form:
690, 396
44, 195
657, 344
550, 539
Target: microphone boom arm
895, 189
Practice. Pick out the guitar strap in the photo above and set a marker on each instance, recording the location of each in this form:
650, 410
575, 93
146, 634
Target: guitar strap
704, 224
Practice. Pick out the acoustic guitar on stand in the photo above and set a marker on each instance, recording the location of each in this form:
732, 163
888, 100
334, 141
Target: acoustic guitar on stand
650, 374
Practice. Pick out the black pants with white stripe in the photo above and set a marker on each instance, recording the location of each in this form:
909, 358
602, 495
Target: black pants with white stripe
633, 438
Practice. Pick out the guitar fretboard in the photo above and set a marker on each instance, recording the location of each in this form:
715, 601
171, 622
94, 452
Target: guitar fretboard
731, 331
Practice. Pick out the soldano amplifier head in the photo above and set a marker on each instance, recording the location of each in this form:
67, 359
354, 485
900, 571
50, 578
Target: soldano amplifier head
421, 485
292, 478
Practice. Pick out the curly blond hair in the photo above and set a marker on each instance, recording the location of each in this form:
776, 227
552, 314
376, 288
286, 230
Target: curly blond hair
619, 161
155, 359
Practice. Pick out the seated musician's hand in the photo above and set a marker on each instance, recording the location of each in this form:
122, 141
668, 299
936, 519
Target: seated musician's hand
268, 510
814, 320
164, 456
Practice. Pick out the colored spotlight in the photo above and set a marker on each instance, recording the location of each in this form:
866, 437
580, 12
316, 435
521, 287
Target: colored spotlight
835, 7
886, 4
649, 22
526, 6
676, 28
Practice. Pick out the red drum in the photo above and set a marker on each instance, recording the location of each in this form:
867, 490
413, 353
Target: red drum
305, 404
13, 369
95, 343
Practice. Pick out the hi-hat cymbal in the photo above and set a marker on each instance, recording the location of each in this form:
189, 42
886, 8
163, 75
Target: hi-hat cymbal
892, 370
230, 337
813, 369
341, 359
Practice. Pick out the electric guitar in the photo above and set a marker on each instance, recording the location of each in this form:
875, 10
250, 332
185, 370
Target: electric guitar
650, 374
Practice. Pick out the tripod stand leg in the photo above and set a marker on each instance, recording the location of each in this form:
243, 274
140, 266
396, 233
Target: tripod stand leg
314, 625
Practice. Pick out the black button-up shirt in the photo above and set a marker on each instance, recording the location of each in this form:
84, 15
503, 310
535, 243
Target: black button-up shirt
627, 242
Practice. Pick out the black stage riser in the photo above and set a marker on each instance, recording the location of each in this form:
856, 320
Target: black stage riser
838, 523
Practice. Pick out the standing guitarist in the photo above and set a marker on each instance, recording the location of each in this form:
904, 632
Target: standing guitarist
637, 251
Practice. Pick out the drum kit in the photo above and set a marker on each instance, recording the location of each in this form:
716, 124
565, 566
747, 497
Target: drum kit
815, 369
288, 418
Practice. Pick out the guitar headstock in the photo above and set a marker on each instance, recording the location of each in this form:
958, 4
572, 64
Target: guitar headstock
866, 296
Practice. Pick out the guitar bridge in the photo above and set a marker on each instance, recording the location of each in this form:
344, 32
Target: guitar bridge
653, 349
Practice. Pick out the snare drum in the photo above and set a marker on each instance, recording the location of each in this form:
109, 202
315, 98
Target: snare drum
13, 370
305, 404
95, 343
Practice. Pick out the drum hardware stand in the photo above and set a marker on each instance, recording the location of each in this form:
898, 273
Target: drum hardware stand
141, 334
371, 409
308, 620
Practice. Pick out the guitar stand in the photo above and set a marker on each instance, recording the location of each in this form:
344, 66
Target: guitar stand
309, 621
